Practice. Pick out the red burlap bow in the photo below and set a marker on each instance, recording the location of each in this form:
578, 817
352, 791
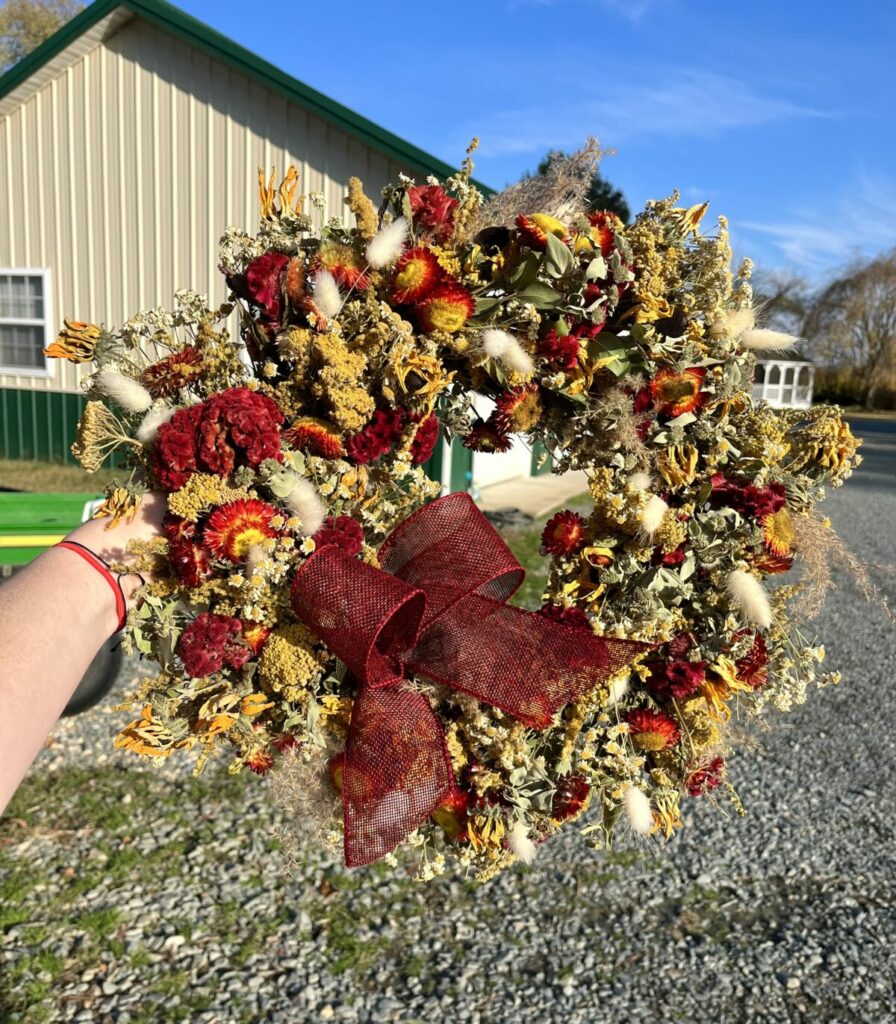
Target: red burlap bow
435, 609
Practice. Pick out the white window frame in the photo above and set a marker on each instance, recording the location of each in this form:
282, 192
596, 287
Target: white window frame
47, 322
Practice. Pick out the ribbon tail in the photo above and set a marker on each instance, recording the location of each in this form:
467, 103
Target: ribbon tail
520, 662
397, 770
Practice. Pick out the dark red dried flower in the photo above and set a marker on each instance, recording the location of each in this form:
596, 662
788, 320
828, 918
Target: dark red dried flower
561, 351
708, 777
677, 678
260, 762
261, 285
563, 534
571, 616
210, 642
189, 560
751, 669
170, 374
746, 498
342, 531
488, 436
433, 210
668, 558
570, 798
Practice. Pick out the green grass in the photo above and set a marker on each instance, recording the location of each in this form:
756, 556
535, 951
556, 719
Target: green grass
32, 475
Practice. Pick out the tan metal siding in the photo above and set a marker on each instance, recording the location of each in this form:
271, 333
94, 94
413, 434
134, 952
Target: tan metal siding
121, 172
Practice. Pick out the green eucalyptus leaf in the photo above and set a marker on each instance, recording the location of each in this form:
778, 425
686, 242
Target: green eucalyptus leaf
558, 259
540, 294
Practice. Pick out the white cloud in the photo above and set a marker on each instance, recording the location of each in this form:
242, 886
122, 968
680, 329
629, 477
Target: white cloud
861, 221
690, 103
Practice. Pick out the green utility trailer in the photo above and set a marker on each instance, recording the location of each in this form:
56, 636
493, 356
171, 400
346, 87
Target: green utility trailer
29, 524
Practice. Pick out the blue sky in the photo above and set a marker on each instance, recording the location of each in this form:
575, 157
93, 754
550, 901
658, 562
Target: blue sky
782, 114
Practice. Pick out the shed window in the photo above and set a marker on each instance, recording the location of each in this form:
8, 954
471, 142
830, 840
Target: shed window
24, 320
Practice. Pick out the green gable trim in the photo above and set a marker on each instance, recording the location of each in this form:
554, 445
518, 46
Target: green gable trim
217, 45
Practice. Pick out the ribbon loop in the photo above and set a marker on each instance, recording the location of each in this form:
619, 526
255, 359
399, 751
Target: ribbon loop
436, 609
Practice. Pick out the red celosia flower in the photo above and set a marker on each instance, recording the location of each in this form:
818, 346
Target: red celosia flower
571, 797
536, 228
189, 560
433, 211
233, 428
708, 777
342, 531
310, 434
210, 642
488, 436
561, 351
571, 616
446, 308
174, 452
425, 439
377, 438
520, 409
170, 374
677, 678
677, 392
564, 534
261, 285
652, 730
255, 634
417, 272
235, 528
237, 427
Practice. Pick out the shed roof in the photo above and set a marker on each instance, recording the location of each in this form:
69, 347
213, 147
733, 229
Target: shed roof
104, 17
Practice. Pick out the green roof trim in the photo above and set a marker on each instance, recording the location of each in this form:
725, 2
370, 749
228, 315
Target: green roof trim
173, 19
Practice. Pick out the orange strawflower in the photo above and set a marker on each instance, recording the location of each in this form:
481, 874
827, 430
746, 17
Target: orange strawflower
169, 375
652, 730
416, 273
446, 308
233, 529
677, 392
310, 434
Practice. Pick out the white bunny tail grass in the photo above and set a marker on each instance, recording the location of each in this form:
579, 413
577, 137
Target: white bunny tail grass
617, 688
761, 339
653, 514
157, 415
640, 481
520, 844
326, 294
748, 594
506, 349
386, 246
740, 320
637, 810
130, 395
304, 501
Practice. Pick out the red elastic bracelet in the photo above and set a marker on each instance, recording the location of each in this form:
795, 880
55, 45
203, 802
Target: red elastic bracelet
104, 571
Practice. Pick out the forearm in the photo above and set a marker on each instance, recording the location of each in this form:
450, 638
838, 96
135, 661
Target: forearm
54, 616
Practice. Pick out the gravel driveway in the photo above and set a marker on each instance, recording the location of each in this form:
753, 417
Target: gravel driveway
146, 896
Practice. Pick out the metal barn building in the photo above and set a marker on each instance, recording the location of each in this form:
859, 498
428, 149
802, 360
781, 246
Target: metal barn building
128, 142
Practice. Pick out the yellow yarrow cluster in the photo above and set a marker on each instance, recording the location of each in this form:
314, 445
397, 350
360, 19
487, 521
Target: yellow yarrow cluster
288, 662
202, 492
